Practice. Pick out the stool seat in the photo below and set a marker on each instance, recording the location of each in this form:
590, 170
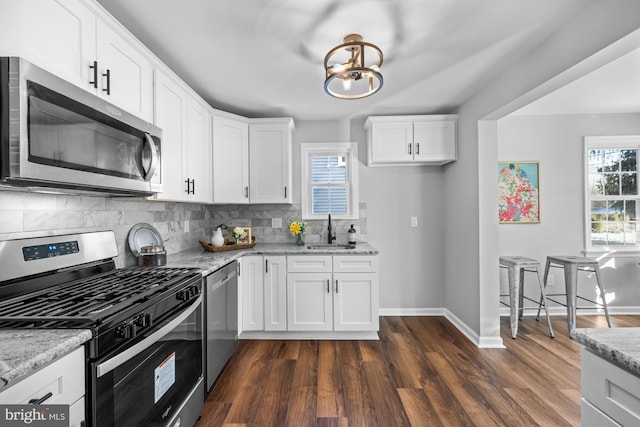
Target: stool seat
572, 264
516, 267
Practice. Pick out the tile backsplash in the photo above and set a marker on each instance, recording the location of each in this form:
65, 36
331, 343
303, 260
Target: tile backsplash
181, 225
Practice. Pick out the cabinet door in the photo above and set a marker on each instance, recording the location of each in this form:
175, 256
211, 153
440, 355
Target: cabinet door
251, 277
434, 141
230, 161
198, 169
270, 163
275, 293
391, 141
57, 35
129, 84
309, 302
355, 306
170, 116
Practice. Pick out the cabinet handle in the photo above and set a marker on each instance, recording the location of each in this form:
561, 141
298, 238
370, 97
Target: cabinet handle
193, 186
108, 76
41, 400
285, 191
246, 192
328, 286
417, 148
266, 265
410, 144
94, 67
188, 186
336, 286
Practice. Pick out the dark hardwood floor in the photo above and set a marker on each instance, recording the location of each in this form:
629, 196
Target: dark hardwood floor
422, 372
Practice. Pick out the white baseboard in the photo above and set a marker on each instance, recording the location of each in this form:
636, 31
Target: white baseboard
482, 342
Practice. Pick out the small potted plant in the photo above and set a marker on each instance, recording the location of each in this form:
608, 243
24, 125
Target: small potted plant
296, 228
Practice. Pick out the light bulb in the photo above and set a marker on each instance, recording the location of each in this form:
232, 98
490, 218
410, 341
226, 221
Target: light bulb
346, 84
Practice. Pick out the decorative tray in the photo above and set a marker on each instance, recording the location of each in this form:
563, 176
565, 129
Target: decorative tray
209, 247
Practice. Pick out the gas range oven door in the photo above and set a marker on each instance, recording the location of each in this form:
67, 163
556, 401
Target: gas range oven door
156, 382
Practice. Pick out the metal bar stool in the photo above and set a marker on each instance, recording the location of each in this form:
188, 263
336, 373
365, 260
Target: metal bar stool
572, 265
516, 267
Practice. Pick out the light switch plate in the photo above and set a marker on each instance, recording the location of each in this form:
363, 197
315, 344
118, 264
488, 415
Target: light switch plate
276, 222
414, 221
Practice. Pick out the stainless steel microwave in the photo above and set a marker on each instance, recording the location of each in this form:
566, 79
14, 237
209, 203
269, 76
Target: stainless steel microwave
57, 136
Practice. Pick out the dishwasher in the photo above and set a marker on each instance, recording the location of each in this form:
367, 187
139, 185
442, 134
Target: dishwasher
221, 324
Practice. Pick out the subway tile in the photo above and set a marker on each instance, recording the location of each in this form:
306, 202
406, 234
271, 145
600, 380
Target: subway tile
11, 221
52, 220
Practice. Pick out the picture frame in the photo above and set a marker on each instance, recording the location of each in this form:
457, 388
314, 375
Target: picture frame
519, 192
247, 239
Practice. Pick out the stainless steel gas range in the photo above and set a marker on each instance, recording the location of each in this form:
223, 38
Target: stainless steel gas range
144, 362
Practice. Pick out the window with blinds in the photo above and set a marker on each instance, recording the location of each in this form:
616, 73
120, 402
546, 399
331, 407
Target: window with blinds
329, 180
328, 185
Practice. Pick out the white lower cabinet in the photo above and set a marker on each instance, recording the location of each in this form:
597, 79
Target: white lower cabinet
610, 394
341, 295
264, 293
310, 293
63, 380
252, 283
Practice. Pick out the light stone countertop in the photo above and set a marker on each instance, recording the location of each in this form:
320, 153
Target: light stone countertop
209, 262
24, 351
620, 346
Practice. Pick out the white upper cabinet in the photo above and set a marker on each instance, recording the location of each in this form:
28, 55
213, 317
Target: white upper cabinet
251, 160
411, 140
79, 42
186, 141
230, 160
270, 160
125, 74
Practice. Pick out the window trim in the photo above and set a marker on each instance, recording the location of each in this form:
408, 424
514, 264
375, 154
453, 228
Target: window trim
350, 150
604, 142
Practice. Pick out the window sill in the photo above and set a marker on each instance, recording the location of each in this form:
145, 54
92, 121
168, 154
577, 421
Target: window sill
611, 253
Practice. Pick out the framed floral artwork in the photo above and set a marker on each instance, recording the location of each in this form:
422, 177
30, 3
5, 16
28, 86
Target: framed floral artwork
519, 192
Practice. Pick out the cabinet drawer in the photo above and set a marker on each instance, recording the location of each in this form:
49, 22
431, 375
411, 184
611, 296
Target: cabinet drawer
64, 379
355, 264
309, 264
611, 389
593, 417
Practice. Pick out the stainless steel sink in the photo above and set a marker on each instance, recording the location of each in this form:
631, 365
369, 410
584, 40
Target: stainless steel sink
328, 247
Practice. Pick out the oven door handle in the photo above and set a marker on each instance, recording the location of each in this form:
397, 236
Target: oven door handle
117, 360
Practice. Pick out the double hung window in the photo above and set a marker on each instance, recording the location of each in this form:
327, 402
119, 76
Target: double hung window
330, 180
612, 199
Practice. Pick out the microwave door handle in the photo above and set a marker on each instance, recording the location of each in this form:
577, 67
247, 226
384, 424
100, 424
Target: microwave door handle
154, 157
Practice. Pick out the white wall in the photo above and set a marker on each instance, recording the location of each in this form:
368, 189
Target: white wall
411, 259
471, 270
557, 142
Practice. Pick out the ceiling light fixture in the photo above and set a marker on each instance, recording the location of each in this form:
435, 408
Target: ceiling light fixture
352, 69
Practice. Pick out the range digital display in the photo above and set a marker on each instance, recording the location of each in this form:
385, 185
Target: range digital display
50, 250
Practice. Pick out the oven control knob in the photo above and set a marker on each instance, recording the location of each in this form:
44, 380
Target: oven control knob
182, 295
142, 320
125, 331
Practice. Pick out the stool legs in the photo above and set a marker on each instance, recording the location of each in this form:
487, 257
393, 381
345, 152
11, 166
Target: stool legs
514, 290
604, 300
571, 286
543, 300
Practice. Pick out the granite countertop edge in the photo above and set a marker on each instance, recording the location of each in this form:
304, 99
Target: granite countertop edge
620, 346
18, 360
209, 262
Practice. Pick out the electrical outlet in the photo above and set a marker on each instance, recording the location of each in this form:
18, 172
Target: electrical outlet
414, 221
276, 222
551, 280
186, 226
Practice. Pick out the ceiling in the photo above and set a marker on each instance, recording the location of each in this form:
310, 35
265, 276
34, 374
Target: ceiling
264, 58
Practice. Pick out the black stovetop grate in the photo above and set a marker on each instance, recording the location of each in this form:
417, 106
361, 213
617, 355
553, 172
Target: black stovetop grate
89, 300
